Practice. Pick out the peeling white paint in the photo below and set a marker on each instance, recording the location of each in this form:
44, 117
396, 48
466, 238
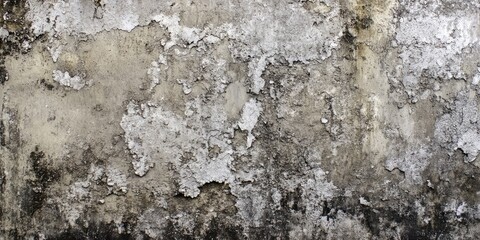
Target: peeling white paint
76, 82
4, 33
459, 129
412, 163
153, 132
116, 180
251, 112
178, 32
433, 45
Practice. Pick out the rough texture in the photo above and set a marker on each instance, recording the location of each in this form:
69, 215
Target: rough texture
266, 119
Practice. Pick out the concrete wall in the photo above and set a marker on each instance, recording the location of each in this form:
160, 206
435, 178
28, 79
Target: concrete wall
230, 119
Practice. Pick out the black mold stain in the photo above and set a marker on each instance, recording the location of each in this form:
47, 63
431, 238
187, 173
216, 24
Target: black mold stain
364, 23
95, 231
13, 20
3, 73
348, 37
2, 133
437, 227
377, 219
42, 170
218, 230
12, 234
13, 12
171, 232
35, 194
47, 85
98, 3
2, 184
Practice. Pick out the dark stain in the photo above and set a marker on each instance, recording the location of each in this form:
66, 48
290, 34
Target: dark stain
293, 201
438, 226
3, 73
348, 37
98, 3
78, 164
33, 198
46, 84
218, 230
214, 196
2, 183
2, 133
42, 169
450, 175
98, 107
13, 20
13, 12
377, 219
364, 22
12, 234
95, 231
2, 186
35, 193
172, 232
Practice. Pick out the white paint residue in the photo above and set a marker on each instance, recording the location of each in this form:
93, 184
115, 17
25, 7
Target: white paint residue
460, 209
116, 180
64, 78
459, 129
256, 68
157, 70
55, 49
433, 45
154, 74
249, 118
3, 33
50, 16
178, 32
476, 78
412, 163
469, 142
141, 163
287, 32
154, 133
364, 201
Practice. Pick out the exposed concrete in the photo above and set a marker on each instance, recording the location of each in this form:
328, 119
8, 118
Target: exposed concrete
268, 119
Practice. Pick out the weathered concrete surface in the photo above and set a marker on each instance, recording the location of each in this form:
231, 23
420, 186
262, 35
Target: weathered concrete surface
266, 119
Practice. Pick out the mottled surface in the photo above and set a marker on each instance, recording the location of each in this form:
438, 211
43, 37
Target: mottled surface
259, 119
